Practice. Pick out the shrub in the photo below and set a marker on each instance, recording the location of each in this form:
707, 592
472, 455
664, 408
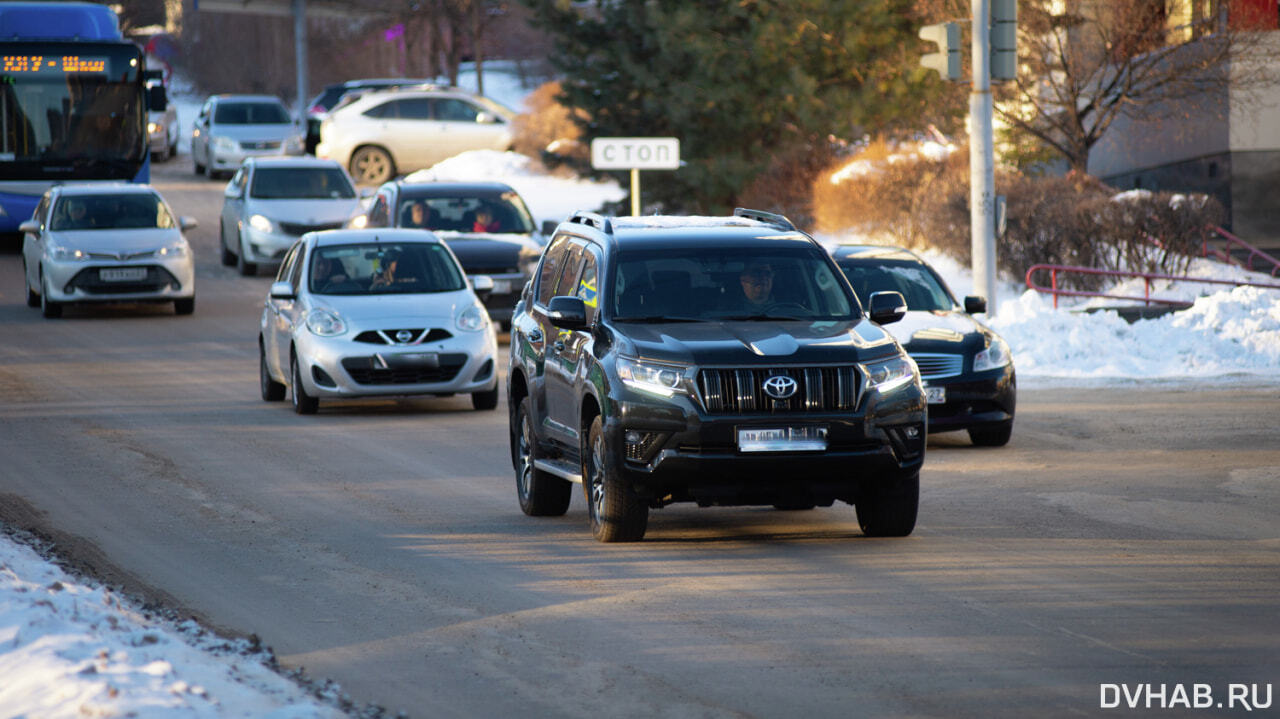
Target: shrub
901, 197
548, 131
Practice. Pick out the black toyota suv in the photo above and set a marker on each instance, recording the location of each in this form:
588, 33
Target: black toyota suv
722, 361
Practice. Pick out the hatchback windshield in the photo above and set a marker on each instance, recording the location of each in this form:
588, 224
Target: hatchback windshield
919, 287
382, 268
727, 284
300, 183
110, 212
505, 213
250, 113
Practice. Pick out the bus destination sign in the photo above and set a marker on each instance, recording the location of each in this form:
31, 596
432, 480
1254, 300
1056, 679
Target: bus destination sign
58, 65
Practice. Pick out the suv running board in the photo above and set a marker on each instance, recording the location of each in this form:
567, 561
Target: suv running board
560, 468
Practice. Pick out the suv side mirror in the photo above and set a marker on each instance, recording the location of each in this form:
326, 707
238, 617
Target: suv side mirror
549, 227
567, 313
975, 305
887, 307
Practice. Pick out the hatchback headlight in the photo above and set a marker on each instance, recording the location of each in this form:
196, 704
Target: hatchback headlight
67, 254
325, 323
652, 377
997, 354
473, 319
153, 128
888, 375
262, 224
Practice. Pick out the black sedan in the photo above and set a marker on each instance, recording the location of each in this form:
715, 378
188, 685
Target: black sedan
967, 368
486, 224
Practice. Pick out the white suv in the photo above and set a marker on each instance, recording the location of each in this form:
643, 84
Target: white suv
383, 133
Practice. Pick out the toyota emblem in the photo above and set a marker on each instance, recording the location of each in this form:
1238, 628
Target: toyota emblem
403, 336
780, 387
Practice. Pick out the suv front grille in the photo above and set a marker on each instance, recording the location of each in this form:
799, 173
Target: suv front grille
741, 391
937, 366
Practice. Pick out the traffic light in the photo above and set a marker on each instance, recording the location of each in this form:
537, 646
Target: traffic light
1004, 40
947, 60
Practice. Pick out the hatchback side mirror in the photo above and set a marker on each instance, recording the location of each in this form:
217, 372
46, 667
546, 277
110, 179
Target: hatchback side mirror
482, 285
187, 222
887, 307
283, 291
30, 227
567, 313
975, 305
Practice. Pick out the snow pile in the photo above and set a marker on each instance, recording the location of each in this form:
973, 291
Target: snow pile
548, 197
71, 650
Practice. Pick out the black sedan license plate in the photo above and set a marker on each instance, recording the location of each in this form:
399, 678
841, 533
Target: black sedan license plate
936, 395
122, 274
782, 439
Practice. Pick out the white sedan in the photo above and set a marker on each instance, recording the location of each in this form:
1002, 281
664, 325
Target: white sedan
386, 312
108, 242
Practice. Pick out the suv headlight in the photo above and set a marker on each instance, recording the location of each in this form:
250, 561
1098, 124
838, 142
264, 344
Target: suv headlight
262, 224
657, 378
997, 354
67, 254
325, 323
473, 319
890, 374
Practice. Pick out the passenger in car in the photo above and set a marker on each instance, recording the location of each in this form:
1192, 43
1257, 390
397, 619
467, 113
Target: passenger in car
485, 221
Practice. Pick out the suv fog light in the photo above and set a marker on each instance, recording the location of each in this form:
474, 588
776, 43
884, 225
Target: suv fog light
912, 432
640, 444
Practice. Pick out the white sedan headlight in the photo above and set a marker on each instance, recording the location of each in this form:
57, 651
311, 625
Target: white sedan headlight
262, 224
294, 145
325, 323
67, 254
177, 249
473, 319
994, 356
225, 144
890, 374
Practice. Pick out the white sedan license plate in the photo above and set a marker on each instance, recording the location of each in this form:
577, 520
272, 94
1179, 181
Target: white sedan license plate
122, 274
936, 395
782, 439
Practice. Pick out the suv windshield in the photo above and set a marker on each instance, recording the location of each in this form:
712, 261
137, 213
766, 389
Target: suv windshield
300, 183
505, 213
250, 113
919, 287
110, 212
727, 284
384, 268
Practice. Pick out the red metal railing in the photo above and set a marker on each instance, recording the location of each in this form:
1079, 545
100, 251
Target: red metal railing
1147, 278
1251, 253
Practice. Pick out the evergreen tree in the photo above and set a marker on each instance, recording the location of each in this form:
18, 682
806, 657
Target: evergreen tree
742, 83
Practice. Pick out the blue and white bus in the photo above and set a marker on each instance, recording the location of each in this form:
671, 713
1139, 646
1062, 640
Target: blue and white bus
72, 102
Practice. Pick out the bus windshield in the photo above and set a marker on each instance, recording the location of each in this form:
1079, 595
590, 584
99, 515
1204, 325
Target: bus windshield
71, 111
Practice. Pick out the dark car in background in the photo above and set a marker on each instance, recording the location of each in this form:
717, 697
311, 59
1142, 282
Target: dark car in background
486, 224
966, 367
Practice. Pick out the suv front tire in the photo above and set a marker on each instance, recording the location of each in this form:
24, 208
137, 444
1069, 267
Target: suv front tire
616, 513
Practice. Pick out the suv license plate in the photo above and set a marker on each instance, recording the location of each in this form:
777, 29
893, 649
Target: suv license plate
782, 439
122, 274
936, 395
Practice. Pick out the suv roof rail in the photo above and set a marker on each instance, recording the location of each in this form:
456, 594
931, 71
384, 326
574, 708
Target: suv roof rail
769, 218
591, 219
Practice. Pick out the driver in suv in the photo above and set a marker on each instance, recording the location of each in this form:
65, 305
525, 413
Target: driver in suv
722, 361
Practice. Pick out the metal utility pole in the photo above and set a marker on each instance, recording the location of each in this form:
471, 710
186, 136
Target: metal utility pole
982, 179
300, 54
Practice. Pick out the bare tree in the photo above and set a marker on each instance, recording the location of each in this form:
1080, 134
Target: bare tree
1084, 66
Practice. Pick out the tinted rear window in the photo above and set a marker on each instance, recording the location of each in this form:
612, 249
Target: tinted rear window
250, 113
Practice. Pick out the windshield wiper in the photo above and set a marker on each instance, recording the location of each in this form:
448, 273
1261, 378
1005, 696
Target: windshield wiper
656, 319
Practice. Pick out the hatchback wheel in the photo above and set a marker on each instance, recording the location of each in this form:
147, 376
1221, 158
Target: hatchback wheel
372, 165
33, 299
228, 257
184, 306
272, 391
485, 400
303, 403
248, 269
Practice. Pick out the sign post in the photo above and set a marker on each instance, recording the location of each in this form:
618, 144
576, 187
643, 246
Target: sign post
635, 154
